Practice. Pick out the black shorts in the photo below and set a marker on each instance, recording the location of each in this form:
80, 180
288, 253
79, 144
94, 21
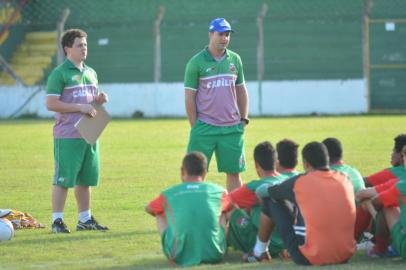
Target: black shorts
283, 214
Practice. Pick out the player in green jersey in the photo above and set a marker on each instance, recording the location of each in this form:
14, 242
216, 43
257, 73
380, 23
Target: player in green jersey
191, 216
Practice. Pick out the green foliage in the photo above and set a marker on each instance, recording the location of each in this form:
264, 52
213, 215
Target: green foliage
139, 159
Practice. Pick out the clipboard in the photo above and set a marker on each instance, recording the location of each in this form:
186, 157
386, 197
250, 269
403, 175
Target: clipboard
90, 128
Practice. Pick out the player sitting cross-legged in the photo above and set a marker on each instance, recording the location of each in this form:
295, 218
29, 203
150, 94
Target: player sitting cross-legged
190, 216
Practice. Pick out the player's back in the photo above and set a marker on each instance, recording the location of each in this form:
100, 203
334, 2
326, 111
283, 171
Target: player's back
353, 175
326, 201
194, 233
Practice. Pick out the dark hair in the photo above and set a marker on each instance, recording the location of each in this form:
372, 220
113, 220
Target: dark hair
287, 153
334, 148
68, 37
315, 153
400, 141
265, 156
195, 164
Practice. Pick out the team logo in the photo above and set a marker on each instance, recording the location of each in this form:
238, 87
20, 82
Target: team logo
232, 67
242, 222
76, 78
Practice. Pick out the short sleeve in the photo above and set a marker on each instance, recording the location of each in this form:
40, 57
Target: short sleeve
157, 205
55, 84
240, 75
191, 75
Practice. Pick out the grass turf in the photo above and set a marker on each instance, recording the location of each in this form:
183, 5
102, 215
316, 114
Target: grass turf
139, 159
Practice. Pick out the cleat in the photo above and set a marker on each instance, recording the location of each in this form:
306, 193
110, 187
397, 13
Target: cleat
251, 258
389, 253
90, 225
58, 226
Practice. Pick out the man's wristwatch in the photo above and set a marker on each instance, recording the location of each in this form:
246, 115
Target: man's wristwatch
246, 120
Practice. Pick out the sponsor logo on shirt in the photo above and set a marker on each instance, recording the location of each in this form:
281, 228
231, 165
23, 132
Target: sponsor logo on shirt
210, 69
192, 186
76, 78
80, 93
219, 83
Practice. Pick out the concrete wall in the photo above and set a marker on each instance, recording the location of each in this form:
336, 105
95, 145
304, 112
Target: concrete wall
167, 99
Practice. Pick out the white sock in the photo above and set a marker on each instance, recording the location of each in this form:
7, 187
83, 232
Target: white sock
56, 215
85, 215
260, 247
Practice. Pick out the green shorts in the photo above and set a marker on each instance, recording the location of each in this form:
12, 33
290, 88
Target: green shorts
76, 163
226, 142
399, 239
183, 250
243, 233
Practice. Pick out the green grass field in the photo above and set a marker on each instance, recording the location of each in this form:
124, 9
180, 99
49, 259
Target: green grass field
139, 159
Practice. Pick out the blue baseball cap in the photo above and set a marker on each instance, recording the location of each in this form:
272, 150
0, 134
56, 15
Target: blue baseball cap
220, 25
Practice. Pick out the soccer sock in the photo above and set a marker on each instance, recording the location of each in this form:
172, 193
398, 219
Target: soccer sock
85, 215
381, 244
363, 219
56, 215
260, 247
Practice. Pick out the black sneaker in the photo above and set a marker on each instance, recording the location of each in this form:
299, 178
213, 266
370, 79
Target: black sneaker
251, 258
90, 225
59, 226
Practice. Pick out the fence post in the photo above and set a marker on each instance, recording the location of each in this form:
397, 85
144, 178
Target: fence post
366, 65
157, 49
60, 26
260, 53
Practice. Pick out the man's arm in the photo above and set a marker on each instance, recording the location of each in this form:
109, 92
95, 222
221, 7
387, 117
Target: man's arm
190, 103
54, 104
242, 100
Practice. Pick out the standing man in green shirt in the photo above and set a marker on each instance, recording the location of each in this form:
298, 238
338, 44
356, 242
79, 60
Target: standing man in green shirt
72, 88
216, 102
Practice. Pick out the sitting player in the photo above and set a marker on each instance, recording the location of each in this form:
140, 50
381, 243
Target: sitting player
245, 222
313, 212
190, 216
391, 195
392, 174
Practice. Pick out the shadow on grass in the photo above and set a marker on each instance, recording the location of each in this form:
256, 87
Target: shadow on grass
49, 237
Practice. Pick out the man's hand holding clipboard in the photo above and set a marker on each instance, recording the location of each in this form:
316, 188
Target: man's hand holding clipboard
94, 120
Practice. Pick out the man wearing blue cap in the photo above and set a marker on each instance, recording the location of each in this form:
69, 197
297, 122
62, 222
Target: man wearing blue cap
217, 103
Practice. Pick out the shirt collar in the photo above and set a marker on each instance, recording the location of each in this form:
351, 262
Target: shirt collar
210, 57
72, 65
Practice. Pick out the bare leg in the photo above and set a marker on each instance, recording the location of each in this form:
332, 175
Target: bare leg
392, 216
233, 181
82, 194
58, 198
266, 226
161, 223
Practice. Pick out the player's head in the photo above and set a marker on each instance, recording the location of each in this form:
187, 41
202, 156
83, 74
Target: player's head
315, 156
265, 156
219, 34
335, 149
396, 158
74, 44
287, 153
194, 164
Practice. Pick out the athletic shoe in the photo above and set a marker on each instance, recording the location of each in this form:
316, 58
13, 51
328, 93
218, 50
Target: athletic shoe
59, 226
251, 258
90, 225
389, 253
